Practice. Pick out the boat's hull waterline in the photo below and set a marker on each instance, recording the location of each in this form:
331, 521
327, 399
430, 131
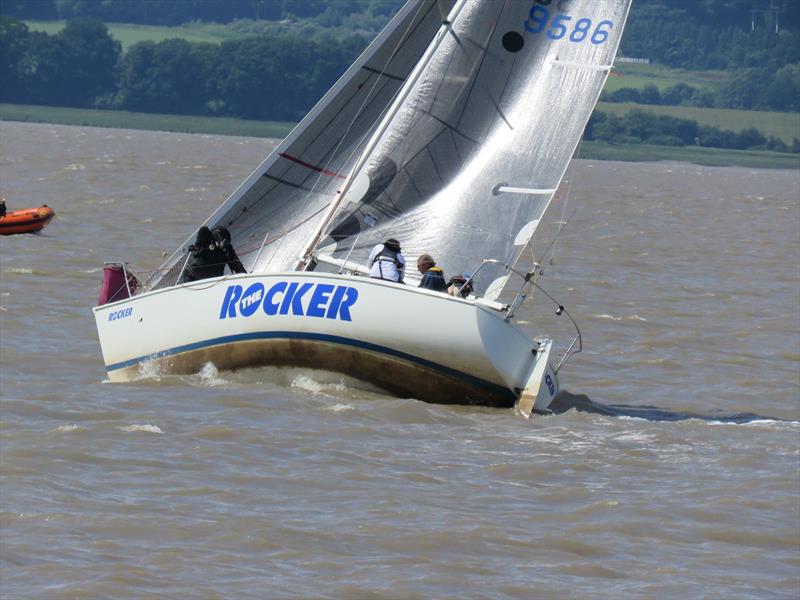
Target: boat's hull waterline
411, 342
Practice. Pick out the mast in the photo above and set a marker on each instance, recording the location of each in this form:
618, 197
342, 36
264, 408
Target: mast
305, 256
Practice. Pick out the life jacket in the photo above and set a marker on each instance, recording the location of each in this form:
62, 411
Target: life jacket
388, 255
433, 279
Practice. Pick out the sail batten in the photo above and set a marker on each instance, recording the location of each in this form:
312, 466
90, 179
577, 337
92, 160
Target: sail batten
523, 190
579, 65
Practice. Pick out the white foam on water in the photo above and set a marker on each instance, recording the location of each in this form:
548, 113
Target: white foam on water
304, 381
608, 317
18, 271
337, 408
637, 318
148, 428
209, 375
639, 438
148, 369
74, 167
69, 428
758, 423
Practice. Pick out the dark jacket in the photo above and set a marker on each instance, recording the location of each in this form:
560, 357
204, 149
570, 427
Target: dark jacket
433, 279
209, 254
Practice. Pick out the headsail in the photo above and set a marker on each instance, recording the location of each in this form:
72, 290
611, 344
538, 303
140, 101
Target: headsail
286, 196
470, 161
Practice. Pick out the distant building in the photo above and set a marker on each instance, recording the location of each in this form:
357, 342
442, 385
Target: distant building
629, 59
770, 17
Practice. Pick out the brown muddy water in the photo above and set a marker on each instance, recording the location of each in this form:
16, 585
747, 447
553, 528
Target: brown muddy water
671, 469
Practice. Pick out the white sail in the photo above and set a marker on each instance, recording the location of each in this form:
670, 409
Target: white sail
482, 138
286, 196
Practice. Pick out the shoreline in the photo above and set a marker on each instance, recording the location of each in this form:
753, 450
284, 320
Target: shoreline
762, 159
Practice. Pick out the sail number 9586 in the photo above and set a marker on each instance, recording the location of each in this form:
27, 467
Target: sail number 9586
560, 26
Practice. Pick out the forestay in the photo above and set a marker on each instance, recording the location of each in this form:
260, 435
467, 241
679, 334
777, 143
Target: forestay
275, 210
468, 158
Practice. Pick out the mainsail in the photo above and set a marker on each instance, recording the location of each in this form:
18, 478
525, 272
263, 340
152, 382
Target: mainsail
274, 211
467, 162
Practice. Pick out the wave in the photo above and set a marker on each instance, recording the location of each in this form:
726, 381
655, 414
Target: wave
148, 428
566, 401
68, 428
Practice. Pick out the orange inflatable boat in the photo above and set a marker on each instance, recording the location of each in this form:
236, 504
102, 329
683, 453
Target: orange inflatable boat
26, 220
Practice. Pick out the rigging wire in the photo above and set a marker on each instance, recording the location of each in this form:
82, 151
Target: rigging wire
562, 222
403, 39
174, 258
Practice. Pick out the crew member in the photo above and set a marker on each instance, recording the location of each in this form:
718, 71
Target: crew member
432, 276
460, 285
209, 254
387, 262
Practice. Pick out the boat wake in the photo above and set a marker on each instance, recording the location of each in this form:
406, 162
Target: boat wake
566, 401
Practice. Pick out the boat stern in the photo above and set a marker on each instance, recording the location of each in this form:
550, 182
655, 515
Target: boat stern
541, 385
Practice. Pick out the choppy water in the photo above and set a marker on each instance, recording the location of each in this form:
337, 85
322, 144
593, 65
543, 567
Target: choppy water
671, 470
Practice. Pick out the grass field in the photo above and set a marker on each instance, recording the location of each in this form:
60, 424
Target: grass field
128, 34
240, 127
785, 126
633, 75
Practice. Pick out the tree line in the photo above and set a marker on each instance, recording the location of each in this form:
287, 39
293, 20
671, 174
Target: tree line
273, 78
645, 127
178, 12
689, 34
267, 78
713, 34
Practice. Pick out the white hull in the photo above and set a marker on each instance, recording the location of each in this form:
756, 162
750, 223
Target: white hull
408, 341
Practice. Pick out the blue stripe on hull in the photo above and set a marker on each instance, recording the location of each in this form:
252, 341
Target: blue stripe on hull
321, 337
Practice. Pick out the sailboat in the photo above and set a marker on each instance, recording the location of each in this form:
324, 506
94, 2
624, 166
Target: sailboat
450, 133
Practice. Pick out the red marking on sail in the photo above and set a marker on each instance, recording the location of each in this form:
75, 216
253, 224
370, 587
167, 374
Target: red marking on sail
312, 167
